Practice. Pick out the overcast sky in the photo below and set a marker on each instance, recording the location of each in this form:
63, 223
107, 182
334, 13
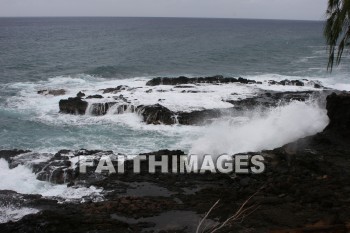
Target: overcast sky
265, 9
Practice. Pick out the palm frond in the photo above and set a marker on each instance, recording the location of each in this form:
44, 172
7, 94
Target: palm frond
337, 29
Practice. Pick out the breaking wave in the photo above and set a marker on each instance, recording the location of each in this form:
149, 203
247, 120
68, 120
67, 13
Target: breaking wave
22, 180
269, 130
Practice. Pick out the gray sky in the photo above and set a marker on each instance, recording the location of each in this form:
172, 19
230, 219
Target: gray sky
265, 9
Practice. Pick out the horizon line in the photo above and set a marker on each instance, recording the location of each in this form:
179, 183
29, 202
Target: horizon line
174, 17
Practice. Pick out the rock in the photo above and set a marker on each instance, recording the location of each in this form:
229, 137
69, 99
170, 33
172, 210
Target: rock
305, 187
165, 152
94, 97
80, 94
61, 175
338, 111
244, 182
184, 86
300, 83
200, 117
185, 80
156, 114
8, 154
73, 106
64, 219
52, 92
316, 85
98, 109
115, 90
287, 82
168, 81
272, 99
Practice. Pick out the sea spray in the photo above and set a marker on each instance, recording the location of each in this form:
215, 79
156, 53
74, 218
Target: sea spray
275, 128
14, 213
22, 180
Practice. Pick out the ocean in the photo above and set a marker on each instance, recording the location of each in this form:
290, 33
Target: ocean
88, 54
91, 54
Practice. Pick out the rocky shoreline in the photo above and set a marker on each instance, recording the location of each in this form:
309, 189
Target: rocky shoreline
305, 188
158, 113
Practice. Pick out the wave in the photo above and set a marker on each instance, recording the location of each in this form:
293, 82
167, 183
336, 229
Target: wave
279, 126
32, 121
14, 213
22, 180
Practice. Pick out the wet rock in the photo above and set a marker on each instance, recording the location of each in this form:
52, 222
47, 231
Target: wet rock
52, 92
115, 90
68, 218
185, 80
316, 85
200, 117
338, 111
99, 109
300, 83
184, 86
9, 154
73, 106
80, 94
287, 82
165, 152
56, 175
272, 99
305, 188
16, 200
94, 97
156, 114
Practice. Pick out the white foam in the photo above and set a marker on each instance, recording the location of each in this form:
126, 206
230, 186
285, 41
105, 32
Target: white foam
279, 126
168, 96
22, 180
45, 108
13, 213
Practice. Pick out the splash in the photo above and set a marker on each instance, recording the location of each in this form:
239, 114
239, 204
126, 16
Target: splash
22, 180
13, 213
275, 128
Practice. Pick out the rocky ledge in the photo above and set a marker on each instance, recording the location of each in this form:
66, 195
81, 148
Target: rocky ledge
305, 188
158, 113
219, 79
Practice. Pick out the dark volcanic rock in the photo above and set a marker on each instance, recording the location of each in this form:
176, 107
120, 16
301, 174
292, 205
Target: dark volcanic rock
115, 90
299, 83
68, 218
272, 99
338, 111
200, 117
94, 97
305, 188
99, 109
8, 154
165, 152
185, 80
287, 82
156, 114
80, 94
57, 172
73, 106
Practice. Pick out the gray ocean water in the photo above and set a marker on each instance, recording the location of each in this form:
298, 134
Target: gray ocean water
38, 52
